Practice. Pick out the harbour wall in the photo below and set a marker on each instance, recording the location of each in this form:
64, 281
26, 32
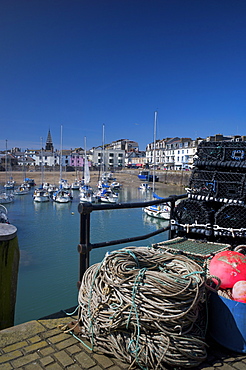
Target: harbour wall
168, 177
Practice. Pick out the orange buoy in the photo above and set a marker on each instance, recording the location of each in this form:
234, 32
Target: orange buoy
229, 267
239, 291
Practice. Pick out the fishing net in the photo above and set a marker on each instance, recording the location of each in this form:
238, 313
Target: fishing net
146, 307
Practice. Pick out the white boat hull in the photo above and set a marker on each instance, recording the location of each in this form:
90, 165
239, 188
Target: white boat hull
6, 198
62, 197
158, 212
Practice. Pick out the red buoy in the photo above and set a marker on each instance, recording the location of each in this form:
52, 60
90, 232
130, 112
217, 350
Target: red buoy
229, 267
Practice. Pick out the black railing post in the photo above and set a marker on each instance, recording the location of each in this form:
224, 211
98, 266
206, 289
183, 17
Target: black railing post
172, 205
84, 247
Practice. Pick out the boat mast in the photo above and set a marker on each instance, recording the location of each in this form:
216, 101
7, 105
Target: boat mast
103, 159
6, 163
154, 150
42, 164
61, 156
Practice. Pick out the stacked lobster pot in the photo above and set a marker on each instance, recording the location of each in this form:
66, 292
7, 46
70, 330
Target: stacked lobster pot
216, 204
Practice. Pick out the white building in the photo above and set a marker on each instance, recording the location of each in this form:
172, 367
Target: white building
109, 158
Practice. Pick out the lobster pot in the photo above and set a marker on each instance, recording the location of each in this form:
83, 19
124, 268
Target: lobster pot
229, 165
227, 320
230, 220
198, 250
193, 216
232, 151
219, 186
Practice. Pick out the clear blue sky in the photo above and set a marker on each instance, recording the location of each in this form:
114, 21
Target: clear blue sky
85, 63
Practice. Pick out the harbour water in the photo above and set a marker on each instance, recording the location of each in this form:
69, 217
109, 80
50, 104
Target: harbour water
48, 235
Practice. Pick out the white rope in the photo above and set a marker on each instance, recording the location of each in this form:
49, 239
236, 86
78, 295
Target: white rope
145, 306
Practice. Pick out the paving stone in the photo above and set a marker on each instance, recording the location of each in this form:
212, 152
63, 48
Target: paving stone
54, 366
240, 365
84, 360
6, 366
35, 347
46, 360
64, 358
77, 367
57, 338
65, 343
10, 356
74, 349
33, 366
47, 351
15, 346
104, 361
34, 339
25, 360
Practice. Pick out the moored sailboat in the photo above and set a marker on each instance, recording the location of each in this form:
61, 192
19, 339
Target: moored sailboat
86, 191
161, 211
61, 195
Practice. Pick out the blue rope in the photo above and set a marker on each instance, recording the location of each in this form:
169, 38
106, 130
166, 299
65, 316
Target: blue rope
72, 313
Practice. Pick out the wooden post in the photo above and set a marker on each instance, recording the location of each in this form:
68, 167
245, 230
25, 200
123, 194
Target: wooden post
9, 266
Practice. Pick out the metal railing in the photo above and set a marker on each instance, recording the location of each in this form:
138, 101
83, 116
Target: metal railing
85, 209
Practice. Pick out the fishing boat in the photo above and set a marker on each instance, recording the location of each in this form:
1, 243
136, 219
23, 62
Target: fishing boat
147, 176
3, 215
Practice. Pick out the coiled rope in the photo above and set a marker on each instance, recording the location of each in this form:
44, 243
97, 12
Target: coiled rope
146, 307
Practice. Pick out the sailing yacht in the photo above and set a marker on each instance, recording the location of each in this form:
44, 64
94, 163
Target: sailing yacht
161, 211
86, 191
7, 197
61, 195
40, 194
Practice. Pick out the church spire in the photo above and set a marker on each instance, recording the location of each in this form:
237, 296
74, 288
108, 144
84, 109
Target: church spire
49, 144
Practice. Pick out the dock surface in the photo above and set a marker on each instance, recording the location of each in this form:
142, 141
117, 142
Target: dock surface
42, 344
